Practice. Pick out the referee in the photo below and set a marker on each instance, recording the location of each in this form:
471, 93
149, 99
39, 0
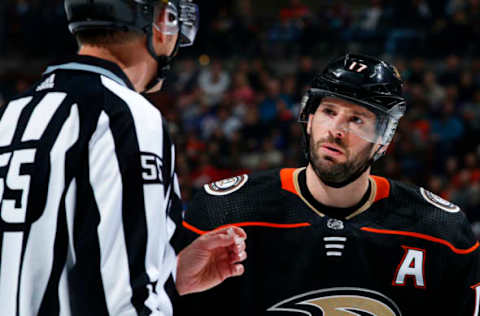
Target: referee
87, 182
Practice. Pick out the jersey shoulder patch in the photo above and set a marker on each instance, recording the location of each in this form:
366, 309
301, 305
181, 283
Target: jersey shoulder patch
226, 186
439, 202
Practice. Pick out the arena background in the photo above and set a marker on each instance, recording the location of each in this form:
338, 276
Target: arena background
232, 99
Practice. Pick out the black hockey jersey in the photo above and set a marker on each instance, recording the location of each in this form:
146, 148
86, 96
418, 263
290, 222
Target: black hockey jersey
405, 251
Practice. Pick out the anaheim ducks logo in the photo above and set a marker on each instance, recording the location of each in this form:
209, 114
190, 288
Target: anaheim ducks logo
339, 302
226, 186
439, 202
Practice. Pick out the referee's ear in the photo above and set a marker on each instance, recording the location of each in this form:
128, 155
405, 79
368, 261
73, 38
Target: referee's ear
163, 39
159, 26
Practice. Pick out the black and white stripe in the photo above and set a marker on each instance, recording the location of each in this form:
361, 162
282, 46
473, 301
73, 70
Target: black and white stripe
81, 231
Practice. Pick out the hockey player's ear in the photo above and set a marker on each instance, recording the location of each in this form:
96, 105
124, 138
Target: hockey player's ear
309, 124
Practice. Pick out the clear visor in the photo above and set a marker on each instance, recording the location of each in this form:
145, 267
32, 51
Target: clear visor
189, 19
369, 123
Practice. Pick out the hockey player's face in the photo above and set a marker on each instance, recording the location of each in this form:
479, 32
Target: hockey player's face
336, 149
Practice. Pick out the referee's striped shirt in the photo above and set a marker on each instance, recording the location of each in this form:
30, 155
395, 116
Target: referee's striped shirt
87, 187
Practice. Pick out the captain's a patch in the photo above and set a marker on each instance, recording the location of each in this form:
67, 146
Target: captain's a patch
226, 186
439, 202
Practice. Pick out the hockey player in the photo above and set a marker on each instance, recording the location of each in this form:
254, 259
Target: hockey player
331, 239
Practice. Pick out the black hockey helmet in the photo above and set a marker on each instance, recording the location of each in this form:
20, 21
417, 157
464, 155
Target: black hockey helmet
136, 15
364, 80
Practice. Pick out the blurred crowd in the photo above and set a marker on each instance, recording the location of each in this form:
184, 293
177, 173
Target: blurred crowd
232, 99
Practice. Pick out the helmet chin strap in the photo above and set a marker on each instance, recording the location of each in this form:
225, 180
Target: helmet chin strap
163, 61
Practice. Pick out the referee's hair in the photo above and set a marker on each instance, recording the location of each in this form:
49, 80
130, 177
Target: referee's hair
100, 37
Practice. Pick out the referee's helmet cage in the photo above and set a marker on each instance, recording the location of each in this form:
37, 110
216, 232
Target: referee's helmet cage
364, 80
134, 15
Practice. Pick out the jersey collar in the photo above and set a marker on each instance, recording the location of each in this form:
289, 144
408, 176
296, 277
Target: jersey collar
380, 189
330, 211
92, 64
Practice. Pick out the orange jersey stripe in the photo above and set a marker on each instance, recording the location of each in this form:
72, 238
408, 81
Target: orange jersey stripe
423, 236
244, 224
287, 180
383, 188
286, 177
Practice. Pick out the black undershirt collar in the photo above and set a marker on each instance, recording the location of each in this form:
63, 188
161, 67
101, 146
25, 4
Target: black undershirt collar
334, 212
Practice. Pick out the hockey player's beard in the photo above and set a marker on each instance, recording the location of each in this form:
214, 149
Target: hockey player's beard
334, 172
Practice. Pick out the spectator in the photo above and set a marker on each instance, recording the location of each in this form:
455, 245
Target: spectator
434, 92
270, 156
472, 166
458, 33
274, 103
252, 132
213, 82
187, 76
417, 70
447, 130
471, 113
245, 28
371, 16
305, 72
295, 11
466, 87
228, 123
451, 71
280, 38
367, 28
409, 19
241, 91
